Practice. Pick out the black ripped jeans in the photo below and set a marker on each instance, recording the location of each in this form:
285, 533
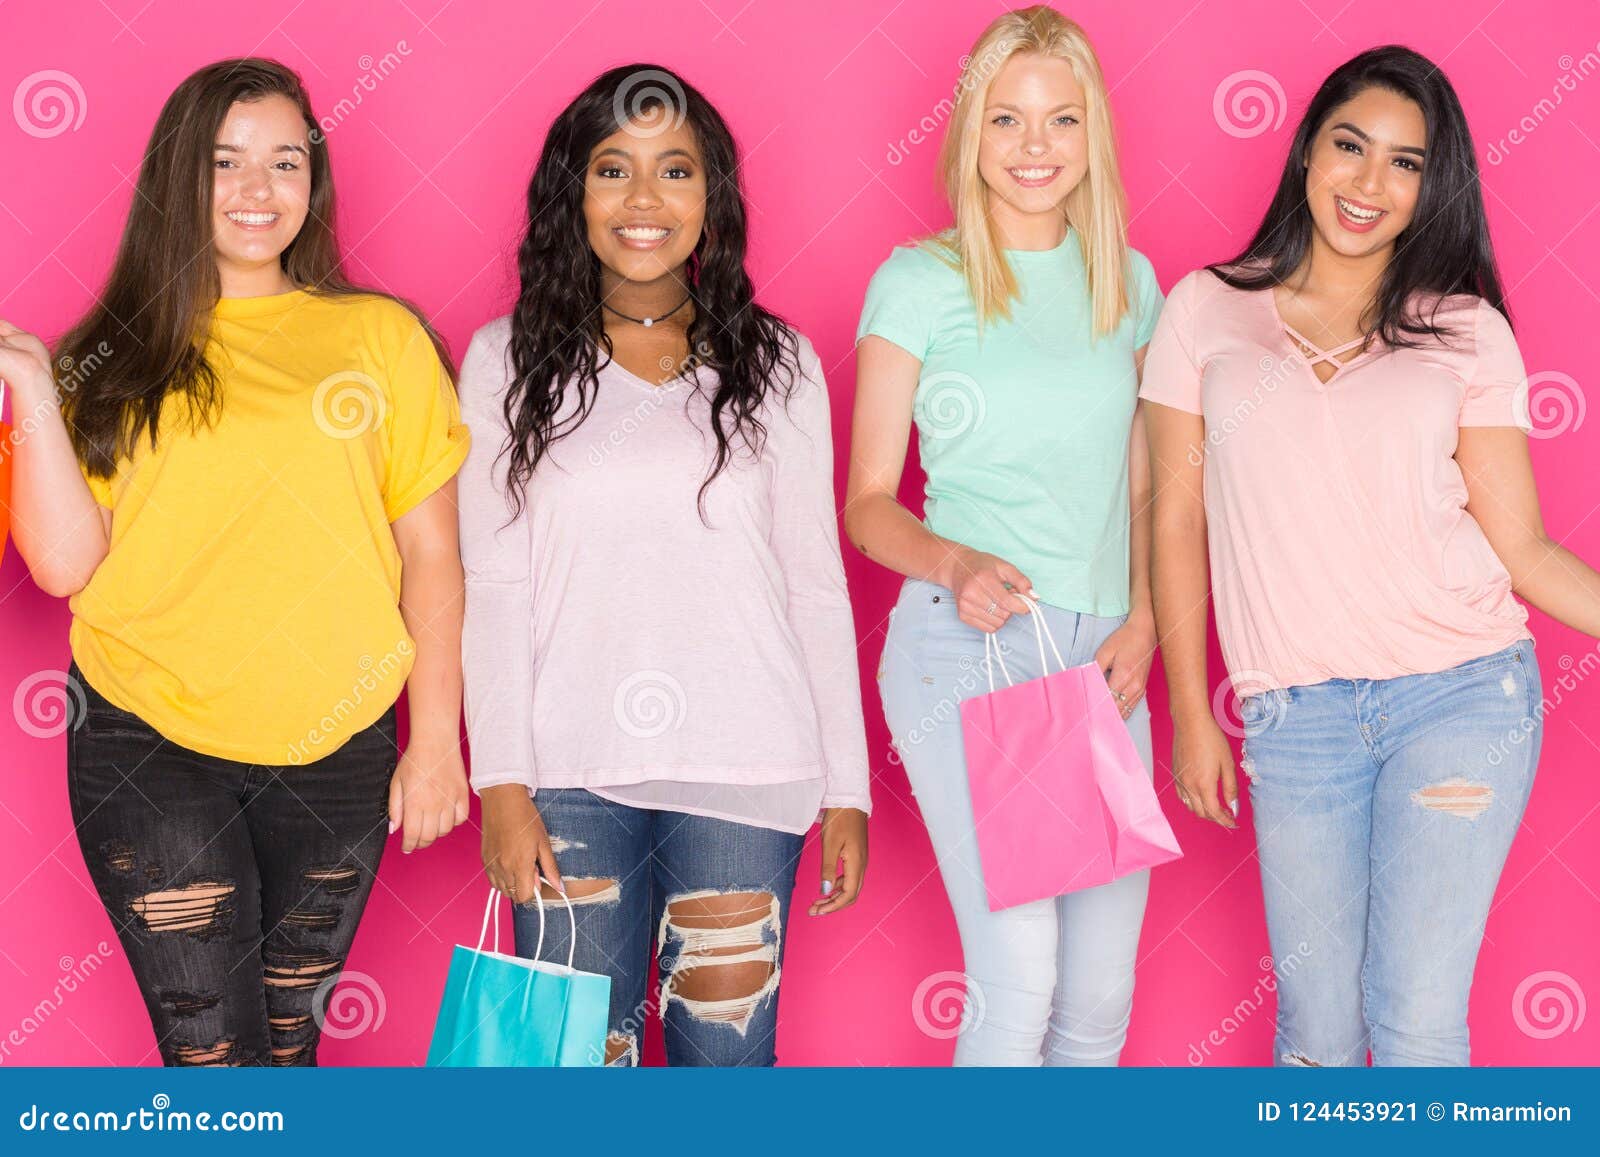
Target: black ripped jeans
235, 888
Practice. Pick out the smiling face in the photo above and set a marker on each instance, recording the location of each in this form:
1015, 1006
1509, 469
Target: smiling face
1364, 172
1034, 148
644, 201
261, 188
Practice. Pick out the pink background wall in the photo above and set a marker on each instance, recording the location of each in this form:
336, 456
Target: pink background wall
824, 96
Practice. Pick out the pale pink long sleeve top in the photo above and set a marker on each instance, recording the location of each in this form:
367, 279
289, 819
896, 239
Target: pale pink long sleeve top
615, 642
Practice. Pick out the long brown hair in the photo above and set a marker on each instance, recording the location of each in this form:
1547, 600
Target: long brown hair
154, 313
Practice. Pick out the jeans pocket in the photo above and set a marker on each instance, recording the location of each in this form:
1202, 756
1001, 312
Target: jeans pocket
1262, 712
1483, 663
103, 719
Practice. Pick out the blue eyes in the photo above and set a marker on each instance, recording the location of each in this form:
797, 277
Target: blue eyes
1006, 120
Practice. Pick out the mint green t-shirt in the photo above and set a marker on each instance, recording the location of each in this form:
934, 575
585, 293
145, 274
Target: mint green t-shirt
1023, 433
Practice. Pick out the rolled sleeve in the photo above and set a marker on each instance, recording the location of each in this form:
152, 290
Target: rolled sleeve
425, 438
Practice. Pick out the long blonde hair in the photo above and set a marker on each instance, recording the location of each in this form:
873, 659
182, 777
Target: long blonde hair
1096, 208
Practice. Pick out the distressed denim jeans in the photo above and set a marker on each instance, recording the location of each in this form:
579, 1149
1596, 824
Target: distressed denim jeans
1384, 809
707, 898
235, 888
1049, 982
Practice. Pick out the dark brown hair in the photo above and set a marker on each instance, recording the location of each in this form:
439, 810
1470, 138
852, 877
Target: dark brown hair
154, 313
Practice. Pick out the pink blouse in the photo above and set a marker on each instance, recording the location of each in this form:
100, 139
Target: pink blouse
1339, 539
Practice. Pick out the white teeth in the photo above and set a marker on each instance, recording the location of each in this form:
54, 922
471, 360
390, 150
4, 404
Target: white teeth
1033, 174
642, 233
1358, 214
253, 218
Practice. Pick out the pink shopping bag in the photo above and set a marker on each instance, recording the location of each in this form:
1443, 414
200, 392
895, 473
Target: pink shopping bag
1061, 798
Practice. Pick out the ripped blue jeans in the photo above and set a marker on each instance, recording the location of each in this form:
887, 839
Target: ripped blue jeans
707, 898
1384, 809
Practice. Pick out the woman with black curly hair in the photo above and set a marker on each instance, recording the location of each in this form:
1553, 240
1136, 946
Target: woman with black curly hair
659, 649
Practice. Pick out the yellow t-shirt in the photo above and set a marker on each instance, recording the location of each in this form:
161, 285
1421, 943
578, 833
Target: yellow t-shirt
249, 607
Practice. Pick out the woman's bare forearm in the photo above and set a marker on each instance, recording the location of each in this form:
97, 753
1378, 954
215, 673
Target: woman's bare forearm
889, 534
433, 604
1180, 588
57, 524
1559, 583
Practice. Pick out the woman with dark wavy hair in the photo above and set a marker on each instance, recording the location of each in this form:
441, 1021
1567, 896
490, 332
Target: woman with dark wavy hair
246, 487
1342, 411
660, 659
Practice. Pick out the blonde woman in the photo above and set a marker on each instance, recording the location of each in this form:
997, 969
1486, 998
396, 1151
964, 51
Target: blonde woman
1013, 341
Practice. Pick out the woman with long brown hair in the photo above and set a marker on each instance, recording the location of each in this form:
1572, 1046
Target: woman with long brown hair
245, 487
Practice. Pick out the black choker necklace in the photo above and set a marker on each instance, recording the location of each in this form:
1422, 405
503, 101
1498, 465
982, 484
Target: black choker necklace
647, 322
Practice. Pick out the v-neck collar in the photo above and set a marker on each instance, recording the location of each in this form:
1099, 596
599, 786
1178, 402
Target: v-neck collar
669, 386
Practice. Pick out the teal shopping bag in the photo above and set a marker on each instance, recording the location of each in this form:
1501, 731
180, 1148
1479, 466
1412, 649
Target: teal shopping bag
506, 1011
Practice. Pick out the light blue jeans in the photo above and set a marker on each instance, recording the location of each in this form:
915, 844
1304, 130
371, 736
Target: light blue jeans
1384, 809
1049, 982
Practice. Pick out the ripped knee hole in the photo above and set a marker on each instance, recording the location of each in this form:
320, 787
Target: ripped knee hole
726, 954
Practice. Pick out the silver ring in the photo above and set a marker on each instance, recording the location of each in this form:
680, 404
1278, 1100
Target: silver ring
992, 608
1121, 697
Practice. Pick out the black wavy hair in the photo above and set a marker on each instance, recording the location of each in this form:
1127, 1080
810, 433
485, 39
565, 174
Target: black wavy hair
1444, 250
557, 334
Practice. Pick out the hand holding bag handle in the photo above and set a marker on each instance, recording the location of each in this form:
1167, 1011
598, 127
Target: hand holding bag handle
1041, 631
489, 916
